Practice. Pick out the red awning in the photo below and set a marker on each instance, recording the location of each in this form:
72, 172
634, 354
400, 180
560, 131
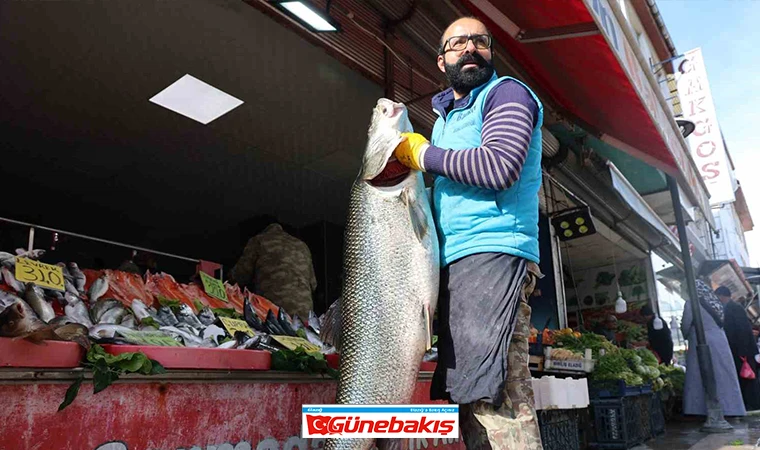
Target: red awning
577, 53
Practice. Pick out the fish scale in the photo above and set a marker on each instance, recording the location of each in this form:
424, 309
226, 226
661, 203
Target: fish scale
391, 272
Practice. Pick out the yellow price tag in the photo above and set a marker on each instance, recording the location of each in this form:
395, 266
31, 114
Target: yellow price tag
41, 274
294, 342
213, 287
234, 325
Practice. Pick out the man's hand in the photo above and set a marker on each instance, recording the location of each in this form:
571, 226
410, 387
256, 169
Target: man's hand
409, 152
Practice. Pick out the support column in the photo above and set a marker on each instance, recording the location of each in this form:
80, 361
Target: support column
715, 422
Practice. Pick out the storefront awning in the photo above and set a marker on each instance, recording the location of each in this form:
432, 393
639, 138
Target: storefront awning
579, 54
634, 200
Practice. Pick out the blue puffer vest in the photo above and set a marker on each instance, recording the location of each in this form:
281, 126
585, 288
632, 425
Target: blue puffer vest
475, 220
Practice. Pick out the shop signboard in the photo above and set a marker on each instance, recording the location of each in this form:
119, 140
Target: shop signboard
612, 30
245, 415
706, 141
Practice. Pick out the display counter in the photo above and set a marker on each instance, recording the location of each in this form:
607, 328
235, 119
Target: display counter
181, 409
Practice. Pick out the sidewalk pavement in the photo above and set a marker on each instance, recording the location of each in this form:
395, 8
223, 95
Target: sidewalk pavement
684, 434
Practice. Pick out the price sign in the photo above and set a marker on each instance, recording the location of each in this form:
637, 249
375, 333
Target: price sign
41, 274
234, 325
213, 287
294, 342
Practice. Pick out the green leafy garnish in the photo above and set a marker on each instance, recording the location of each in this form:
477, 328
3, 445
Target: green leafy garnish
107, 368
198, 304
301, 333
227, 312
150, 322
299, 360
736, 442
171, 303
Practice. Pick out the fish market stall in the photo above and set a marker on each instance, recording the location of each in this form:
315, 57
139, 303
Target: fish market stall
226, 367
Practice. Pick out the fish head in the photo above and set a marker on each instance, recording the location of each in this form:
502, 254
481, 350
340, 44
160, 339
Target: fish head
389, 120
14, 321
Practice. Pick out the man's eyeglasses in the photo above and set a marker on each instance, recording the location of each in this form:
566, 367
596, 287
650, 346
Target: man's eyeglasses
459, 43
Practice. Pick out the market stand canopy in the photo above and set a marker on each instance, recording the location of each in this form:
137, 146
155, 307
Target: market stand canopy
579, 55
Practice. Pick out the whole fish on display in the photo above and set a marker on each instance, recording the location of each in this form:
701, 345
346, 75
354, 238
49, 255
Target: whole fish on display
166, 317
11, 280
77, 311
33, 254
7, 299
7, 260
114, 315
391, 276
35, 297
314, 322
284, 322
251, 318
186, 315
128, 321
98, 288
206, 316
79, 278
102, 306
140, 310
18, 321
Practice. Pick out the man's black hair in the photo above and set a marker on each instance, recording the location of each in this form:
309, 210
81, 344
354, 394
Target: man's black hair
646, 310
724, 291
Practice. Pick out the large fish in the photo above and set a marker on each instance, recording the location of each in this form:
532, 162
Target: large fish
391, 275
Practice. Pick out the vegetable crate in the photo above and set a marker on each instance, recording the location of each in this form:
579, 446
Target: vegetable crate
616, 423
615, 389
657, 415
559, 429
644, 405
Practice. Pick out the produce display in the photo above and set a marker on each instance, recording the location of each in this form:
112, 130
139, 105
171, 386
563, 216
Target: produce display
114, 307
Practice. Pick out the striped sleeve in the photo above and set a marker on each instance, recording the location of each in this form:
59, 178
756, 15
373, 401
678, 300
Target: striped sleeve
509, 115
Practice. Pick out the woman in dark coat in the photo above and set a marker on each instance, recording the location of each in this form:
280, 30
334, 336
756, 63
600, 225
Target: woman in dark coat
742, 342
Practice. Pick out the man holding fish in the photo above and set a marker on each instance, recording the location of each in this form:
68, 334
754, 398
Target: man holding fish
485, 153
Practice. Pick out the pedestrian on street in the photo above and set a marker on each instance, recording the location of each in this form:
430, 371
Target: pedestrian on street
743, 345
726, 378
660, 340
485, 155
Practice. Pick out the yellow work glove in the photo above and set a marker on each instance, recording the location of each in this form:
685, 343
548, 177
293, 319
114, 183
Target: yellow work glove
409, 152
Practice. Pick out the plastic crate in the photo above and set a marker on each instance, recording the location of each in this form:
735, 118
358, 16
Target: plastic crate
616, 423
559, 429
657, 415
644, 403
612, 389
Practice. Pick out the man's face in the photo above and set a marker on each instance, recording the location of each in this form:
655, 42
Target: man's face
470, 66
723, 299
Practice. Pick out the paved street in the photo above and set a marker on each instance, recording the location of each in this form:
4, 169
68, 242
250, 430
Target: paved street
685, 435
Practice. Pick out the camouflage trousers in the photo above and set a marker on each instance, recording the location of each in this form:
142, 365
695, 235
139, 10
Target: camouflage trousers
514, 424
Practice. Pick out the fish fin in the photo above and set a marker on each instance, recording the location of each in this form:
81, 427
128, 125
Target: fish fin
39, 336
428, 326
330, 325
416, 214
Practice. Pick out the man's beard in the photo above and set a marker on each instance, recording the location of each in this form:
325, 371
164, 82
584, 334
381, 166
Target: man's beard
465, 81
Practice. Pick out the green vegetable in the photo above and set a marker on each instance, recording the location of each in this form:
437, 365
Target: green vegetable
647, 357
736, 442
299, 360
107, 368
171, 303
151, 322
227, 312
591, 341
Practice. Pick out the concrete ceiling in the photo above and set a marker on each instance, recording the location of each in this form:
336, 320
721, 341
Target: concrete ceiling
79, 132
